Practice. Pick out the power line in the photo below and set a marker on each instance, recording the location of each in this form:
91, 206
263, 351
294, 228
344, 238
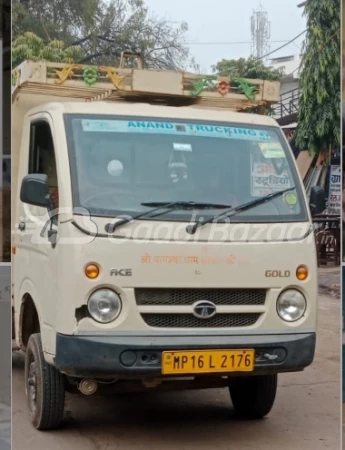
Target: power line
320, 49
226, 43
282, 46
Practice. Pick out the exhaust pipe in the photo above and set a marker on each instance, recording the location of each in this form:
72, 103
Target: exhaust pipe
88, 386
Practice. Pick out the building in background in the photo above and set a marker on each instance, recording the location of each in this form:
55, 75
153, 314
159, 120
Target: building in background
286, 111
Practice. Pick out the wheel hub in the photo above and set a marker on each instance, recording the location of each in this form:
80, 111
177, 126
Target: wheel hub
32, 386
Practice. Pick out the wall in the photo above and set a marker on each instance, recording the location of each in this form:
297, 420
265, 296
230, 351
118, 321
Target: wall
5, 197
343, 48
2, 149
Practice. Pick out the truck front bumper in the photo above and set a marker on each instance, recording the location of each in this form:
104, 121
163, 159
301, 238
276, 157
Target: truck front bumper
133, 357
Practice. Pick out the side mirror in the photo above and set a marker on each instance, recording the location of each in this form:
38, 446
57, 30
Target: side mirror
35, 190
317, 200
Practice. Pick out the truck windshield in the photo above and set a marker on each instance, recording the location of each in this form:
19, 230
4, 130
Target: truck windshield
121, 165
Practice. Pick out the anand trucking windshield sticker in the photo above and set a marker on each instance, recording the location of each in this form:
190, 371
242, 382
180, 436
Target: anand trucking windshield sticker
181, 129
265, 179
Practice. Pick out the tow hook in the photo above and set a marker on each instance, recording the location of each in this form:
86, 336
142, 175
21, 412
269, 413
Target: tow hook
152, 383
270, 357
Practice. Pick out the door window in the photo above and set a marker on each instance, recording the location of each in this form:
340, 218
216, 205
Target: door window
42, 157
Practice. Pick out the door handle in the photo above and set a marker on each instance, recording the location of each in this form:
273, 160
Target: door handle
22, 226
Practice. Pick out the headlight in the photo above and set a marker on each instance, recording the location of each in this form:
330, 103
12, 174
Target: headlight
104, 305
291, 305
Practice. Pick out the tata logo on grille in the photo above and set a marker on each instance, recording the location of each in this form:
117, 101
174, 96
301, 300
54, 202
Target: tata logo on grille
204, 309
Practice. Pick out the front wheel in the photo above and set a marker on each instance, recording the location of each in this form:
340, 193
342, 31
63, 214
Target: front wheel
44, 387
253, 397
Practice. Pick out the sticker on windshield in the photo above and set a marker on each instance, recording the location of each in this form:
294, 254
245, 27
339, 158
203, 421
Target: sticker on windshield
265, 180
115, 168
290, 198
180, 129
182, 147
97, 126
272, 150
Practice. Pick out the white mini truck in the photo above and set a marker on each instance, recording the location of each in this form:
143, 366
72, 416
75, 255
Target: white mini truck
162, 237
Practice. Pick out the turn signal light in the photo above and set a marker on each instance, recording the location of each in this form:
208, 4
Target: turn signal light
302, 273
92, 271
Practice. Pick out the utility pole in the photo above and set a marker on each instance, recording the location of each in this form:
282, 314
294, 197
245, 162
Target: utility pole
261, 32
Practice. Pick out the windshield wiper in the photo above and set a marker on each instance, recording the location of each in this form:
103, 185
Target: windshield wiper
158, 206
196, 205
110, 227
191, 229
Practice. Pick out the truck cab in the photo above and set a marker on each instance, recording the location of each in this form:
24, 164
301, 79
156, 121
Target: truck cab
156, 247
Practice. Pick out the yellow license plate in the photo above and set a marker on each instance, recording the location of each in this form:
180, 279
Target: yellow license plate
210, 361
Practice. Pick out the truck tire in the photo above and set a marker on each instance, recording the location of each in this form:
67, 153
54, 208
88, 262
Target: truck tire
253, 397
44, 388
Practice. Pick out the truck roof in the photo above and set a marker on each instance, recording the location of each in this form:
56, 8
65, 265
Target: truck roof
156, 111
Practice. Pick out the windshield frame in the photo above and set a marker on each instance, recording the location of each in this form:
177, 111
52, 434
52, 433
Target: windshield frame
175, 215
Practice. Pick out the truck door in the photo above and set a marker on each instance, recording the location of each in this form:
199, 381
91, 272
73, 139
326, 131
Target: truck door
36, 258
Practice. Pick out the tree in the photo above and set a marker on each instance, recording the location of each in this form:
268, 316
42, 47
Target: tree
30, 46
67, 20
247, 68
103, 29
319, 107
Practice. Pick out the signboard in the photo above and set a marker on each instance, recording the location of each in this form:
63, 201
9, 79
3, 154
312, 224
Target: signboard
334, 200
343, 346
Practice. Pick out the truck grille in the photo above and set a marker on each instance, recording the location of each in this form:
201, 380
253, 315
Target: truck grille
171, 297
190, 321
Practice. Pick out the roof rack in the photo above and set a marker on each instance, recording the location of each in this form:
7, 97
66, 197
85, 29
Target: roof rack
132, 82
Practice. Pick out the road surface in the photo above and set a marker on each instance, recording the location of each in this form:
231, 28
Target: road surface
306, 414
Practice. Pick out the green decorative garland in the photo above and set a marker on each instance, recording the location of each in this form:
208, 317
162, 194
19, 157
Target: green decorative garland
200, 85
90, 75
246, 88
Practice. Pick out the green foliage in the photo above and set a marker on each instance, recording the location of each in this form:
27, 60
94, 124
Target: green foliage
247, 68
30, 46
319, 106
103, 29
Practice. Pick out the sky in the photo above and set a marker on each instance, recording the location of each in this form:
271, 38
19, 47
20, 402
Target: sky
229, 21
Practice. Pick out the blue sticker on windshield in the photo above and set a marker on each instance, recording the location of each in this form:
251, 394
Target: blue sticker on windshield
97, 126
170, 128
